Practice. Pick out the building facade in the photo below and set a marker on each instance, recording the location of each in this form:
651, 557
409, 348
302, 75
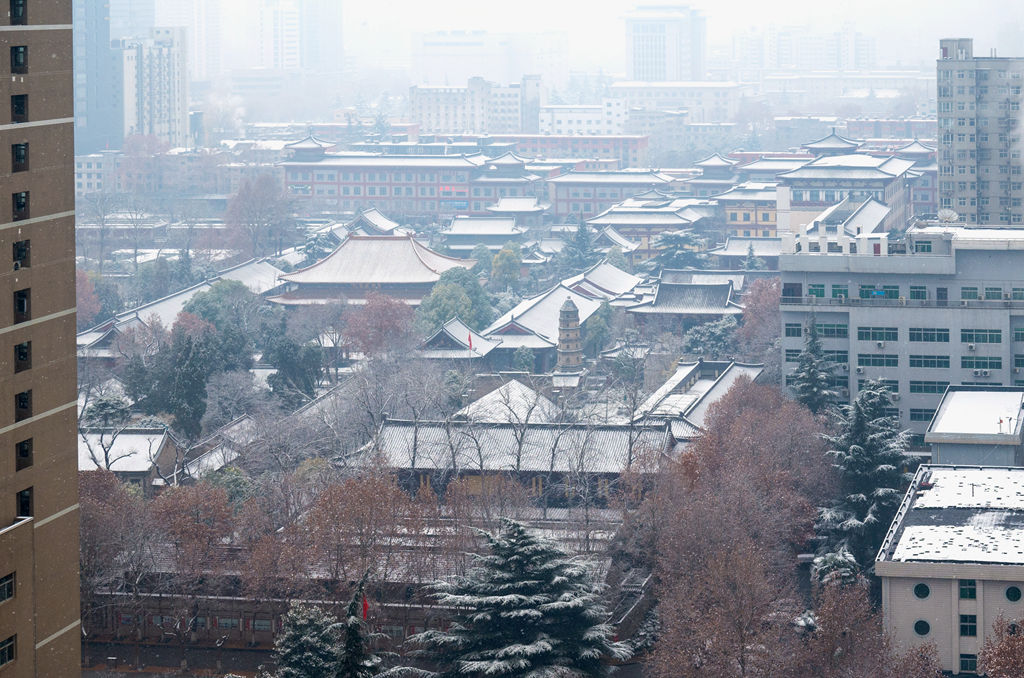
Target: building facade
39, 610
666, 43
943, 306
980, 168
480, 107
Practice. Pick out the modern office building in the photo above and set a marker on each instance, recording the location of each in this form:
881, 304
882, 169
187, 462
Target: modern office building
943, 305
39, 610
479, 106
979, 156
951, 563
665, 42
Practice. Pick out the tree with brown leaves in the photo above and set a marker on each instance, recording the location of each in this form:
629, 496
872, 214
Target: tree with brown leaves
1002, 656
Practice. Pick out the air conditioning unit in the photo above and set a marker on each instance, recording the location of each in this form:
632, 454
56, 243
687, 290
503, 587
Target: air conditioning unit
880, 344
970, 347
1016, 370
984, 373
1006, 296
895, 398
846, 368
964, 302
977, 373
860, 370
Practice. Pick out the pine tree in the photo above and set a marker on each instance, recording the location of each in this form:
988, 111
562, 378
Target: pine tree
752, 262
813, 372
526, 610
677, 250
869, 454
307, 644
355, 660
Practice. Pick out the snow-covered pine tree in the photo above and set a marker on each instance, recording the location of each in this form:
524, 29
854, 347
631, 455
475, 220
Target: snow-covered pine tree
869, 454
811, 380
526, 609
355, 659
307, 644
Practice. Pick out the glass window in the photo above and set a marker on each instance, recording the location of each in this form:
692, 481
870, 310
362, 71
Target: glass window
968, 589
919, 414
968, 625
923, 246
7, 650
816, 290
981, 362
7, 587
840, 291
928, 386
968, 292
794, 330
878, 360
929, 334
921, 627
975, 336
968, 662
877, 334
993, 293
833, 330
922, 591
1013, 593
936, 361
918, 292
793, 355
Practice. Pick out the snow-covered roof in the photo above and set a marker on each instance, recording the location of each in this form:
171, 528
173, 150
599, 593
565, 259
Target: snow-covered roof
959, 514
456, 340
130, 450
715, 160
740, 247
373, 222
979, 415
603, 281
693, 388
367, 260
514, 403
539, 315
518, 205
476, 226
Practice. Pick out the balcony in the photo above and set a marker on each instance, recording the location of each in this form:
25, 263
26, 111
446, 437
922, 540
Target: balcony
897, 264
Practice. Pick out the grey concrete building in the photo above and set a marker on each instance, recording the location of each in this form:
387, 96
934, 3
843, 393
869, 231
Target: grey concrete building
943, 305
979, 99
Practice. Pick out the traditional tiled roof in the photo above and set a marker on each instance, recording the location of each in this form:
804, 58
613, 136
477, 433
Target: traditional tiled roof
749, 191
915, 147
557, 447
501, 226
833, 142
130, 450
538, 316
373, 222
602, 280
527, 205
642, 178
852, 166
715, 160
367, 260
511, 403
453, 341
690, 299
740, 247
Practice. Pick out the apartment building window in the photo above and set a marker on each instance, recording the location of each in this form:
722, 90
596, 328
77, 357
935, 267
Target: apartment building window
6, 587
975, 336
993, 293
793, 355
878, 360
837, 356
840, 291
816, 290
23, 405
968, 589
969, 625
928, 386
22, 305
797, 330
23, 455
19, 12
19, 206
934, 361
19, 59
21, 254
877, 334
7, 646
981, 362
968, 662
23, 503
19, 108
919, 414
924, 247
969, 293
19, 157
22, 356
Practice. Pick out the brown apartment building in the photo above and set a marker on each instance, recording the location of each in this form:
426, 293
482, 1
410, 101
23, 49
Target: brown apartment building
39, 613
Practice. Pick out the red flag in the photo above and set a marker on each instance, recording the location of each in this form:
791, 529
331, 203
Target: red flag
470, 335
366, 607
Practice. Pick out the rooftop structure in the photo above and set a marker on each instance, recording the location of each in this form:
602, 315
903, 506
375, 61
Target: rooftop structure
833, 144
603, 281
511, 403
464, 233
953, 560
395, 266
371, 221
978, 425
455, 340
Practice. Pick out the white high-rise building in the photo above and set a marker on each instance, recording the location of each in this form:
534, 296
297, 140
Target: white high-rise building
321, 36
666, 43
280, 35
202, 20
155, 86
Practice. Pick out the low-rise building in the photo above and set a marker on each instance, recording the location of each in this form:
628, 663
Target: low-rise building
466, 233
585, 194
952, 561
980, 425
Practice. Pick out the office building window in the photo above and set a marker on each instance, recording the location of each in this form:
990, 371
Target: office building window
833, 330
797, 330
968, 625
928, 386
919, 414
974, 336
968, 589
981, 362
969, 293
929, 334
19, 108
877, 334
19, 157
878, 360
816, 290
937, 361
993, 293
6, 587
19, 12
918, 292
890, 385
840, 291
23, 503
23, 454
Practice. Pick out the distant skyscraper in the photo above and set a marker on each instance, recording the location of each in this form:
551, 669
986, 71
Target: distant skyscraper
130, 18
97, 82
280, 35
665, 43
981, 176
155, 85
40, 629
321, 36
203, 22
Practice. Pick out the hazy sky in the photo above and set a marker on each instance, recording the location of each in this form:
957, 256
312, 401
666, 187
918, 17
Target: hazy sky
906, 29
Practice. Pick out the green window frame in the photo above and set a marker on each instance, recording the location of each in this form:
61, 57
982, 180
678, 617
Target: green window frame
833, 330
877, 334
921, 414
923, 246
816, 290
981, 336
794, 330
878, 360
930, 334
918, 292
840, 291
981, 362
841, 357
793, 355
933, 361
993, 293
918, 386
969, 293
